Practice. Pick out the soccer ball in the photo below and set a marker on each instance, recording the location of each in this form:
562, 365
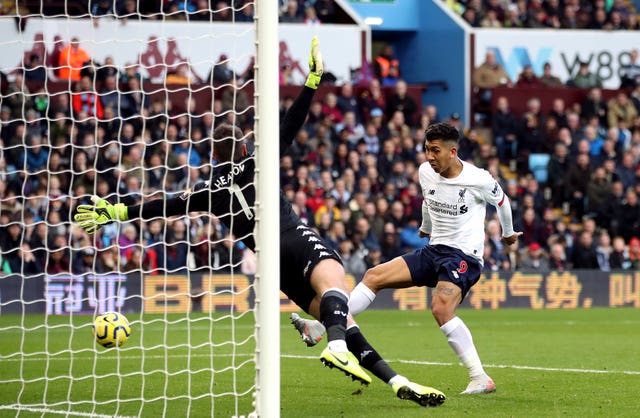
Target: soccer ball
111, 329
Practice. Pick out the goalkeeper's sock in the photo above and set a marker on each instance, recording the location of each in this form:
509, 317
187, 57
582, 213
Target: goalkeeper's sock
368, 356
461, 341
333, 315
360, 299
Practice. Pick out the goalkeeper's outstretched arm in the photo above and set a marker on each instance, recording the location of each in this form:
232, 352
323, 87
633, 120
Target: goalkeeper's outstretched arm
93, 217
297, 113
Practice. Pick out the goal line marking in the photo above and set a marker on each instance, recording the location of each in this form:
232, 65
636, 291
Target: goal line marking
41, 410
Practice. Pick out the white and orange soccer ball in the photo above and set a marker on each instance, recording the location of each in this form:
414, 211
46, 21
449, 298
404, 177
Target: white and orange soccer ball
111, 329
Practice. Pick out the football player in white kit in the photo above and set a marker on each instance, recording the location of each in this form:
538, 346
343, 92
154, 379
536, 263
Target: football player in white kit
453, 213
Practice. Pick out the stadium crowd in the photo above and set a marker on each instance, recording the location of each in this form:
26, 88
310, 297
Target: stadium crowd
290, 11
557, 14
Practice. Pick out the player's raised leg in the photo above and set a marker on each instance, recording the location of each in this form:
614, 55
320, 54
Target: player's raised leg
393, 274
446, 298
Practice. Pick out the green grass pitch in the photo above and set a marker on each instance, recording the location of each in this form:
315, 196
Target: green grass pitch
551, 363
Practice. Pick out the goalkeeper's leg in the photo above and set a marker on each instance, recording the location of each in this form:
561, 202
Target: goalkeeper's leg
370, 360
327, 279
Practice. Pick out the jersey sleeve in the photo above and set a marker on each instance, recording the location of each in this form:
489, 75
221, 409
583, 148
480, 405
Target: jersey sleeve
191, 200
423, 176
490, 189
294, 118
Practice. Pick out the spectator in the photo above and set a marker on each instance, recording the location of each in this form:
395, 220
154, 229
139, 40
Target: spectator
534, 258
621, 108
310, 16
355, 131
505, 128
577, 181
101, 7
619, 257
34, 71
558, 258
400, 100
490, 73
548, 79
326, 10
629, 219
35, 157
86, 102
386, 67
347, 102
491, 20
557, 170
291, 13
108, 69
604, 251
584, 254
354, 263
594, 105
584, 79
71, 61
221, 73
202, 12
471, 16
528, 78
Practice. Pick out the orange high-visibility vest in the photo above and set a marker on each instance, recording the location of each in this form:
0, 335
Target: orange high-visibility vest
388, 68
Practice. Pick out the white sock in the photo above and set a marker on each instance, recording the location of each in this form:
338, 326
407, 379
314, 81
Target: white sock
460, 339
398, 378
360, 299
339, 346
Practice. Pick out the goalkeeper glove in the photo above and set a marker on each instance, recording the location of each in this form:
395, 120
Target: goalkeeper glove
315, 65
92, 218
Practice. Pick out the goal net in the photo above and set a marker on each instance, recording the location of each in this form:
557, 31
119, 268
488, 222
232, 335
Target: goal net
119, 99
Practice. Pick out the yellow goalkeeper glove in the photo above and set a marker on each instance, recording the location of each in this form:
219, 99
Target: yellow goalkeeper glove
93, 217
315, 65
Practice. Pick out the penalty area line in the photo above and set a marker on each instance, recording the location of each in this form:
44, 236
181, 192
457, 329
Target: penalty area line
41, 410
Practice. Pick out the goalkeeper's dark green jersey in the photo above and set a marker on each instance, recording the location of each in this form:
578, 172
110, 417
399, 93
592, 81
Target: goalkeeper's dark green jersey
230, 193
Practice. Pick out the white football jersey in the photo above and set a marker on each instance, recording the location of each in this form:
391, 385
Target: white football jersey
457, 206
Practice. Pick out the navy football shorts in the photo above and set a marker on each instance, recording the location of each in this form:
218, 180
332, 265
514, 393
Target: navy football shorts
301, 249
434, 263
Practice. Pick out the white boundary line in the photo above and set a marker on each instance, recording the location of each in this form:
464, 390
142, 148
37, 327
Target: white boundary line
418, 362
42, 410
498, 366
294, 356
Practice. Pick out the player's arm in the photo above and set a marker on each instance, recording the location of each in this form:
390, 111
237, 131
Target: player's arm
297, 113
93, 217
509, 236
494, 195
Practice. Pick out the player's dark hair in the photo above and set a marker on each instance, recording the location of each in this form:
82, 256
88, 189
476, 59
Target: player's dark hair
227, 142
442, 131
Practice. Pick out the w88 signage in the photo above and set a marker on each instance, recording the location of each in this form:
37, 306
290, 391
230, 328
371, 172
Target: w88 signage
605, 52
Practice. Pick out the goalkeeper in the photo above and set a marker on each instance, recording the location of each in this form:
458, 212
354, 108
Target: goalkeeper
311, 273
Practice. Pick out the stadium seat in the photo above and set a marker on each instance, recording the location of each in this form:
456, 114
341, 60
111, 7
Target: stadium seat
538, 166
